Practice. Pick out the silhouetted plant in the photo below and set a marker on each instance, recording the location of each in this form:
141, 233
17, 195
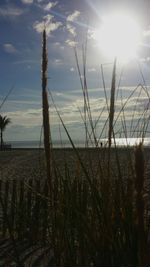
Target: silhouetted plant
4, 121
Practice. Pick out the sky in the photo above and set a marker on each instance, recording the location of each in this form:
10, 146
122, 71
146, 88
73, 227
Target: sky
68, 23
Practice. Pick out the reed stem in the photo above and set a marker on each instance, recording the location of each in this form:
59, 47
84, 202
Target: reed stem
46, 124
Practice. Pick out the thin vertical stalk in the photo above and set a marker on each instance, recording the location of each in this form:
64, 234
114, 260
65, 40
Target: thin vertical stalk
139, 184
46, 125
112, 104
84, 96
104, 86
84, 92
11, 234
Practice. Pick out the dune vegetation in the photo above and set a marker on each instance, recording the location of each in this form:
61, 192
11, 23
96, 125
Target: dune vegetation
98, 214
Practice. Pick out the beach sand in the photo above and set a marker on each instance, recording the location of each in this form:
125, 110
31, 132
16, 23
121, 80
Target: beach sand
24, 164
30, 163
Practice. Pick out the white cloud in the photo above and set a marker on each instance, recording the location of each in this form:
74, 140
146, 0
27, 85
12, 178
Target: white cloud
58, 45
27, 118
145, 59
71, 43
146, 33
47, 23
72, 69
58, 61
50, 5
91, 34
10, 11
72, 17
71, 29
27, 1
68, 103
91, 70
9, 48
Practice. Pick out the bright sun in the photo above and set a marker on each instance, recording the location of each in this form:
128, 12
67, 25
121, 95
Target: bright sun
119, 36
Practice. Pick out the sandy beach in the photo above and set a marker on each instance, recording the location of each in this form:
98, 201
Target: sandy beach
30, 163
24, 164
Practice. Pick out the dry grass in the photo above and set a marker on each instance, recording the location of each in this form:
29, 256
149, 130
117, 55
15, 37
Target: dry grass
95, 215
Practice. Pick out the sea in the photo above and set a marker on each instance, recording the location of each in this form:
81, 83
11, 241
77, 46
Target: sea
120, 142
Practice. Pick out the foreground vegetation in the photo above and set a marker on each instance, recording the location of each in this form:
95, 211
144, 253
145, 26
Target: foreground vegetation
4, 121
97, 215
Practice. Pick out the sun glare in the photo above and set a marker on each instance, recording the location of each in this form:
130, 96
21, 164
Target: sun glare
119, 36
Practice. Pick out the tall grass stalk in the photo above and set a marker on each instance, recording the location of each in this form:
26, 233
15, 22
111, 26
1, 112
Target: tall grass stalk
87, 115
6, 97
112, 106
11, 235
139, 184
46, 124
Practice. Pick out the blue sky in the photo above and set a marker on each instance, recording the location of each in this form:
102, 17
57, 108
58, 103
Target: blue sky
67, 22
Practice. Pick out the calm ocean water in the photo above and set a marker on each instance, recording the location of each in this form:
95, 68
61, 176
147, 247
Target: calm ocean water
56, 144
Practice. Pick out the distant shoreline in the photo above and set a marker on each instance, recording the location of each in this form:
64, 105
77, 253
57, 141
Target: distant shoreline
78, 148
36, 144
